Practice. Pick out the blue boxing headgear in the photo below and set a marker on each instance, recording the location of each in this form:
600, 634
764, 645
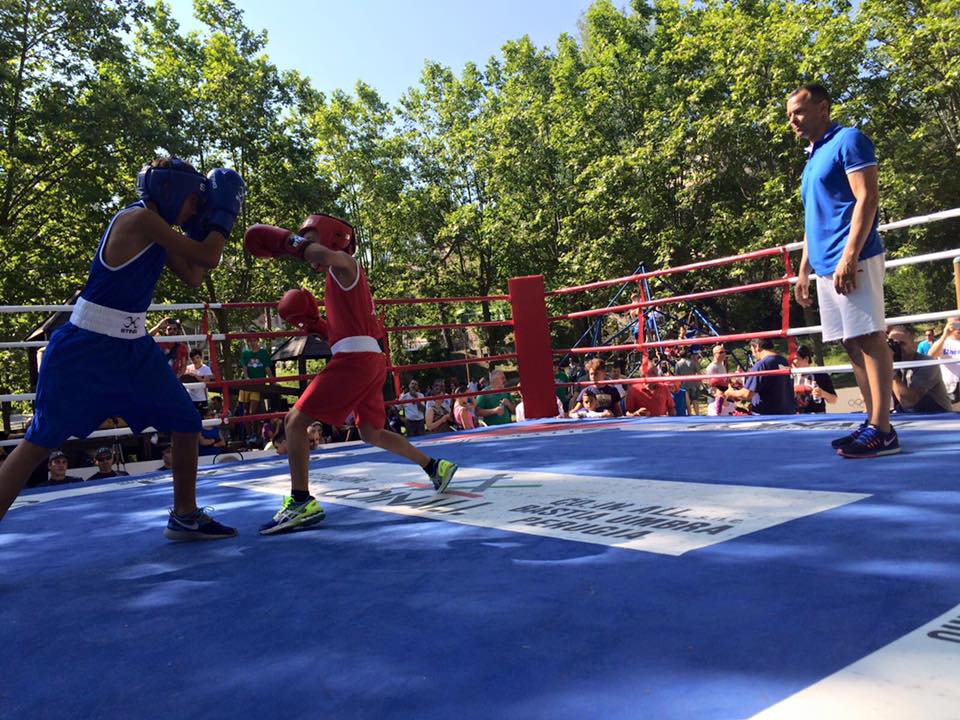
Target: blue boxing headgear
169, 187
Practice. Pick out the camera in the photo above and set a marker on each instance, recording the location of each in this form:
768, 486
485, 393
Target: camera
897, 349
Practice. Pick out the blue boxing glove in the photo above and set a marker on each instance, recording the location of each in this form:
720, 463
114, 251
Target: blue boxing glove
225, 194
197, 226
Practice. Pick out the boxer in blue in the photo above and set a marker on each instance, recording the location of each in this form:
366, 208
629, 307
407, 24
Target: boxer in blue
103, 364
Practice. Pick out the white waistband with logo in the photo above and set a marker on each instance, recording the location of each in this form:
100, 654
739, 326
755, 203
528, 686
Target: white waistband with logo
108, 321
356, 343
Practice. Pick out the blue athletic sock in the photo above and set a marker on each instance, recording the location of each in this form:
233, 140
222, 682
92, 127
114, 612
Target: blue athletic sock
431, 467
300, 496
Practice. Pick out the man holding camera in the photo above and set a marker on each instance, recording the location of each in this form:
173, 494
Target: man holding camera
918, 389
948, 345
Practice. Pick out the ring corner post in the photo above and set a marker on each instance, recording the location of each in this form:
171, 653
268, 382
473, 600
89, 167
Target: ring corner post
531, 334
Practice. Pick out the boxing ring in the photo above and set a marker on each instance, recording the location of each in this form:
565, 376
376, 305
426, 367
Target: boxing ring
718, 567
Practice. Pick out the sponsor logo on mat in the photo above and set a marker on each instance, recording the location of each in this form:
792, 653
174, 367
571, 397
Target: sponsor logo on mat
659, 516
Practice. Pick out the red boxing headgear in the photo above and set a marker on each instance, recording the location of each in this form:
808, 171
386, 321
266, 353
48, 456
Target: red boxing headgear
333, 233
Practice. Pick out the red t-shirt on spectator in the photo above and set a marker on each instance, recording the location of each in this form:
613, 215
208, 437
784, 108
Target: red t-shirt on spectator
655, 397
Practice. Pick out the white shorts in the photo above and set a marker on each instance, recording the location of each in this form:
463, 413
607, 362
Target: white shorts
861, 312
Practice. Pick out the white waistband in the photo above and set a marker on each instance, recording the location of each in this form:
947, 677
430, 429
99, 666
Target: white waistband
108, 321
357, 343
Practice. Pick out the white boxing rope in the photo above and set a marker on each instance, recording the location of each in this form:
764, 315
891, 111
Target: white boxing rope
116, 432
907, 222
900, 262
901, 320
69, 308
162, 339
24, 397
920, 220
837, 369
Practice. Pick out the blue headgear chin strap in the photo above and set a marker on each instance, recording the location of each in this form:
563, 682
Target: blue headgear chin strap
169, 187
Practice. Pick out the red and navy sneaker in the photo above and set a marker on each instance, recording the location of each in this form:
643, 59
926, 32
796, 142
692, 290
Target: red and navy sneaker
871, 443
196, 526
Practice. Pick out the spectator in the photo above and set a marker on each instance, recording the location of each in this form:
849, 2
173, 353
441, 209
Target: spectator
464, 413
176, 352
439, 413
929, 338
559, 376
496, 408
608, 398
394, 421
278, 442
590, 408
719, 364
211, 441
617, 374
57, 465
437, 388
255, 361
267, 432
315, 435
649, 400
813, 392
687, 366
522, 415
413, 412
919, 389
104, 458
167, 457
719, 404
948, 345
197, 372
574, 370
767, 394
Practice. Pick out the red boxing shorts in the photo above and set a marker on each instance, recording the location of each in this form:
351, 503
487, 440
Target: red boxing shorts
352, 382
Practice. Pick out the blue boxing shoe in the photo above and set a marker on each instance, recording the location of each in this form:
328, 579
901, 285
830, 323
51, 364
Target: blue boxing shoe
196, 526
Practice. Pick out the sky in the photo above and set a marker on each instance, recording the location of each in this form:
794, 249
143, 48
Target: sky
385, 43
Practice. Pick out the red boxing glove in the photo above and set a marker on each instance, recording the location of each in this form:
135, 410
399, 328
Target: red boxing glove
299, 307
271, 241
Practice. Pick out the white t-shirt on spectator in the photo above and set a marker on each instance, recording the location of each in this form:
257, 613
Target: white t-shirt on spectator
411, 411
522, 415
951, 372
197, 393
716, 369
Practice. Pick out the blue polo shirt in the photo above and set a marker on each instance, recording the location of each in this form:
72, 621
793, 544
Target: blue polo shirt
828, 201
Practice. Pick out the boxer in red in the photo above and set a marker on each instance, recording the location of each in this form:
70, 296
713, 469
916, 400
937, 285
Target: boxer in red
353, 379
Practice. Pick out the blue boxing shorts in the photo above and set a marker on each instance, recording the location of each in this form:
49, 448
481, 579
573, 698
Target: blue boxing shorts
87, 377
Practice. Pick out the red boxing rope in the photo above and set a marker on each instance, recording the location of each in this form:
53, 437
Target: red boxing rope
450, 326
766, 284
450, 363
730, 259
428, 301
698, 340
473, 393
